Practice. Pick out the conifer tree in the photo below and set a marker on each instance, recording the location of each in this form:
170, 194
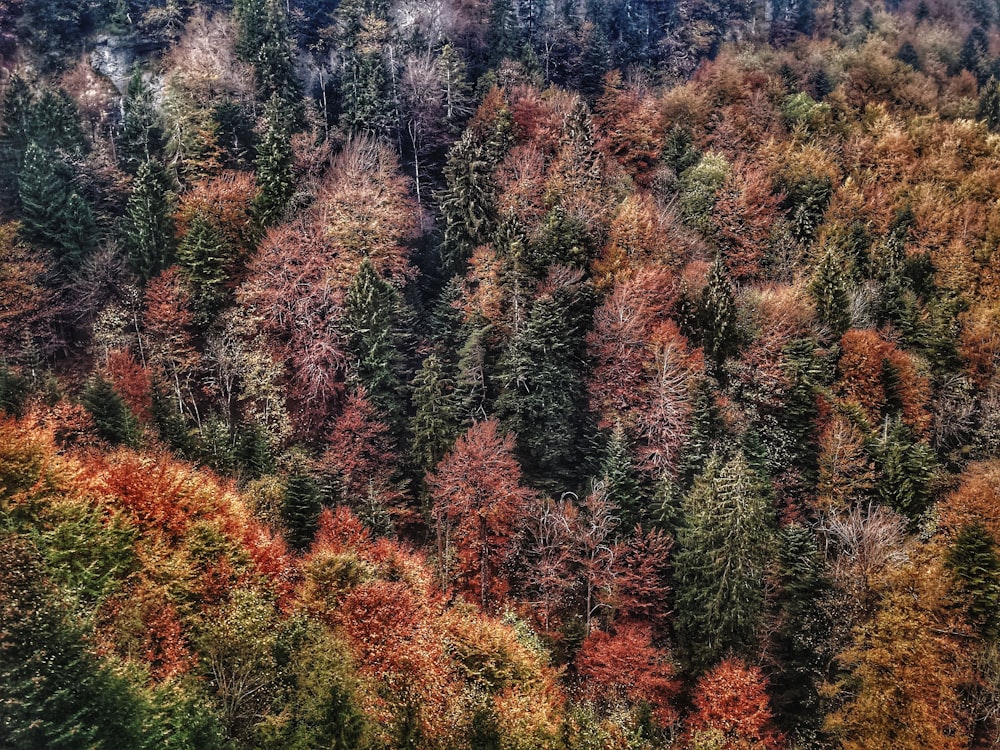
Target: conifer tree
436, 422
205, 256
802, 637
15, 135
300, 509
717, 313
276, 183
621, 481
112, 418
543, 396
52, 214
907, 469
989, 104
141, 138
974, 562
706, 432
371, 320
830, 295
148, 226
723, 549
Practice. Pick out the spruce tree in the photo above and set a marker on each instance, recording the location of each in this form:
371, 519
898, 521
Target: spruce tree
52, 214
621, 481
205, 255
802, 636
543, 398
974, 562
148, 226
15, 135
300, 510
830, 295
717, 314
275, 181
371, 322
989, 104
112, 418
724, 547
706, 433
141, 138
907, 469
436, 421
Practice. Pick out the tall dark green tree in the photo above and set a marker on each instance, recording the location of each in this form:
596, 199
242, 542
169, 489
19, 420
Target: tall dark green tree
300, 509
468, 202
55, 694
264, 41
717, 314
113, 420
53, 215
802, 636
830, 295
15, 135
989, 104
371, 319
543, 397
621, 481
141, 138
148, 225
275, 181
436, 421
907, 469
724, 547
206, 257
974, 562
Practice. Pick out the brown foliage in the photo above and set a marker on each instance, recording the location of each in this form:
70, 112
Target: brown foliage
731, 708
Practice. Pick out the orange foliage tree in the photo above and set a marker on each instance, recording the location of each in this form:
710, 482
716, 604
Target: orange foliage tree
479, 503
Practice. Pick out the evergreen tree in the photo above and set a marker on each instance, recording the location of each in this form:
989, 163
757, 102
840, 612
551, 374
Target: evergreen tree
706, 433
830, 295
503, 35
55, 694
907, 469
717, 313
300, 510
562, 239
52, 214
112, 418
621, 481
205, 255
468, 202
802, 637
436, 422
55, 124
148, 226
371, 320
543, 396
975, 564
275, 181
989, 104
474, 385
724, 548
13, 391
15, 135
141, 138
254, 452
264, 41
799, 407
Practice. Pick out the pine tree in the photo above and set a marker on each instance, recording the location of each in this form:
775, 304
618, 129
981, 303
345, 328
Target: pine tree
52, 214
205, 255
56, 694
15, 135
300, 510
371, 322
543, 395
724, 548
474, 385
907, 469
974, 562
800, 411
148, 226
707, 431
621, 481
717, 313
436, 423
830, 295
276, 183
141, 138
802, 638
264, 41
112, 418
989, 104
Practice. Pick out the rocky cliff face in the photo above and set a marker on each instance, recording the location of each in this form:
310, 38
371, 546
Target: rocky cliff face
115, 57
